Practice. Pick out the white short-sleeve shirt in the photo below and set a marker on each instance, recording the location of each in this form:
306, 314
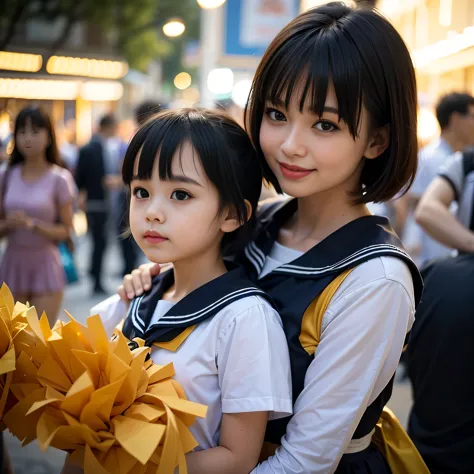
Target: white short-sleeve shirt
234, 362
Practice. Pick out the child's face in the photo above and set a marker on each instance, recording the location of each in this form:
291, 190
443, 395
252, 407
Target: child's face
178, 219
310, 154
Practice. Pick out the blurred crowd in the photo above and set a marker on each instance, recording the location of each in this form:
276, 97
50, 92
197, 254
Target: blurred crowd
62, 189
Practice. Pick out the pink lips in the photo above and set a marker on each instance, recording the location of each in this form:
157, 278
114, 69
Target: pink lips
153, 237
294, 172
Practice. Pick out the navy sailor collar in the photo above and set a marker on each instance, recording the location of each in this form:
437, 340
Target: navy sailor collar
201, 304
356, 242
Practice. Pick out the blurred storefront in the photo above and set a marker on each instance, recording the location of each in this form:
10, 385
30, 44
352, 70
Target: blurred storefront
440, 35
76, 84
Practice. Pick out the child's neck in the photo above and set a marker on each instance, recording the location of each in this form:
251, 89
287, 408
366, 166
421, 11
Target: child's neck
191, 274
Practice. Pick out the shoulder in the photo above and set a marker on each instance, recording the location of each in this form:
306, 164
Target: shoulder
378, 273
62, 175
253, 312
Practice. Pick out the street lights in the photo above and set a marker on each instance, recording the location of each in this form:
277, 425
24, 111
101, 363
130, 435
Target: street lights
173, 28
210, 22
209, 4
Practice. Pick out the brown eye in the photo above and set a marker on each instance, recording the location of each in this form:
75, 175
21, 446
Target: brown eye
180, 195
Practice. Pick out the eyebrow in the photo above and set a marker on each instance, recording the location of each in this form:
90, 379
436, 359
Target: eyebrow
176, 179
326, 108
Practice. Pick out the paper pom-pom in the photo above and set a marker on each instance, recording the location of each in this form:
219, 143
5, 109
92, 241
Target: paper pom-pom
9, 326
113, 410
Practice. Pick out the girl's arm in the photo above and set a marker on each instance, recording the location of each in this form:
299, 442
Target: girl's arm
240, 443
363, 335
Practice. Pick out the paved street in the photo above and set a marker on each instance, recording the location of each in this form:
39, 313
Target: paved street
78, 301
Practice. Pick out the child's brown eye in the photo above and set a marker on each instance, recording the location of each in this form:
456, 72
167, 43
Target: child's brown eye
140, 193
180, 195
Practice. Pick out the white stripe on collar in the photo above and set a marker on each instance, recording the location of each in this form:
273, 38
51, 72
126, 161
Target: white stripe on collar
372, 250
257, 259
222, 301
134, 313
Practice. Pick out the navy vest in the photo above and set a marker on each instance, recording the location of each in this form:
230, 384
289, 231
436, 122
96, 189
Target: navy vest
293, 286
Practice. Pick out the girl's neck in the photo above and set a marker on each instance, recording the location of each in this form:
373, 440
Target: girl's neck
36, 164
192, 273
318, 216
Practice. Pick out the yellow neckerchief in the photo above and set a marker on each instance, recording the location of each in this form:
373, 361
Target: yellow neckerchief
389, 436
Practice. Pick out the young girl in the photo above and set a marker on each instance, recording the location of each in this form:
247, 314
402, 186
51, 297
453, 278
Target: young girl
195, 181
332, 113
35, 214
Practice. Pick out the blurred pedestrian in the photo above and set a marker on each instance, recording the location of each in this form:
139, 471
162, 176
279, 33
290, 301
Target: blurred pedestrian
36, 207
455, 183
455, 114
440, 363
94, 175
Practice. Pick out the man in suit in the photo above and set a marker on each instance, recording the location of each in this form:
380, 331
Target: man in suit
94, 168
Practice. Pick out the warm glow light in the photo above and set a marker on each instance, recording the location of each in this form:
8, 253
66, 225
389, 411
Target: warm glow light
182, 80
445, 12
102, 91
427, 125
241, 91
220, 81
208, 4
174, 28
452, 45
38, 89
191, 95
86, 67
20, 61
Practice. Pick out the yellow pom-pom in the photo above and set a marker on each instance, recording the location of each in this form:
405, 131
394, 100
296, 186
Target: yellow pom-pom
104, 403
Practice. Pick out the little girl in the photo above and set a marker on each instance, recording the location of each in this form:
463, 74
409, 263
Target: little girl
195, 180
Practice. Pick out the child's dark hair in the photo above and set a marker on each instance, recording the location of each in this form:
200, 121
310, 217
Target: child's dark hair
363, 56
224, 150
39, 119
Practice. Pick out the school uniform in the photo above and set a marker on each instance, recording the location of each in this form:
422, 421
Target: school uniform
231, 353
340, 394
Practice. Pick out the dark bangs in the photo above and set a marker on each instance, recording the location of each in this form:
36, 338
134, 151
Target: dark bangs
40, 120
362, 56
321, 61
223, 148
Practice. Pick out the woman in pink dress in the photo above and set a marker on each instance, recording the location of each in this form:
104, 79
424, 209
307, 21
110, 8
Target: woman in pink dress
36, 208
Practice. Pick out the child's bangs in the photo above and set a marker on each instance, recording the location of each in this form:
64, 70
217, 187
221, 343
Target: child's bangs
326, 58
156, 140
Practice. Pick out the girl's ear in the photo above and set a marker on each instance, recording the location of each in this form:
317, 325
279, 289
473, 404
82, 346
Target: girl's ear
230, 222
378, 142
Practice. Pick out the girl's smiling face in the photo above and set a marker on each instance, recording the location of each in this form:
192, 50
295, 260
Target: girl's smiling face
312, 154
178, 218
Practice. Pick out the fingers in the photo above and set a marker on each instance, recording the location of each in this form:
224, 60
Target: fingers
147, 272
139, 281
122, 293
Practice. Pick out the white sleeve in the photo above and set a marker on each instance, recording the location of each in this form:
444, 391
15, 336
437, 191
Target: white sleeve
359, 349
111, 312
254, 365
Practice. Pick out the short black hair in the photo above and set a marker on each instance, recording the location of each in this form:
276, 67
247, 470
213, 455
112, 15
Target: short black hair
451, 103
147, 109
362, 55
106, 121
224, 150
